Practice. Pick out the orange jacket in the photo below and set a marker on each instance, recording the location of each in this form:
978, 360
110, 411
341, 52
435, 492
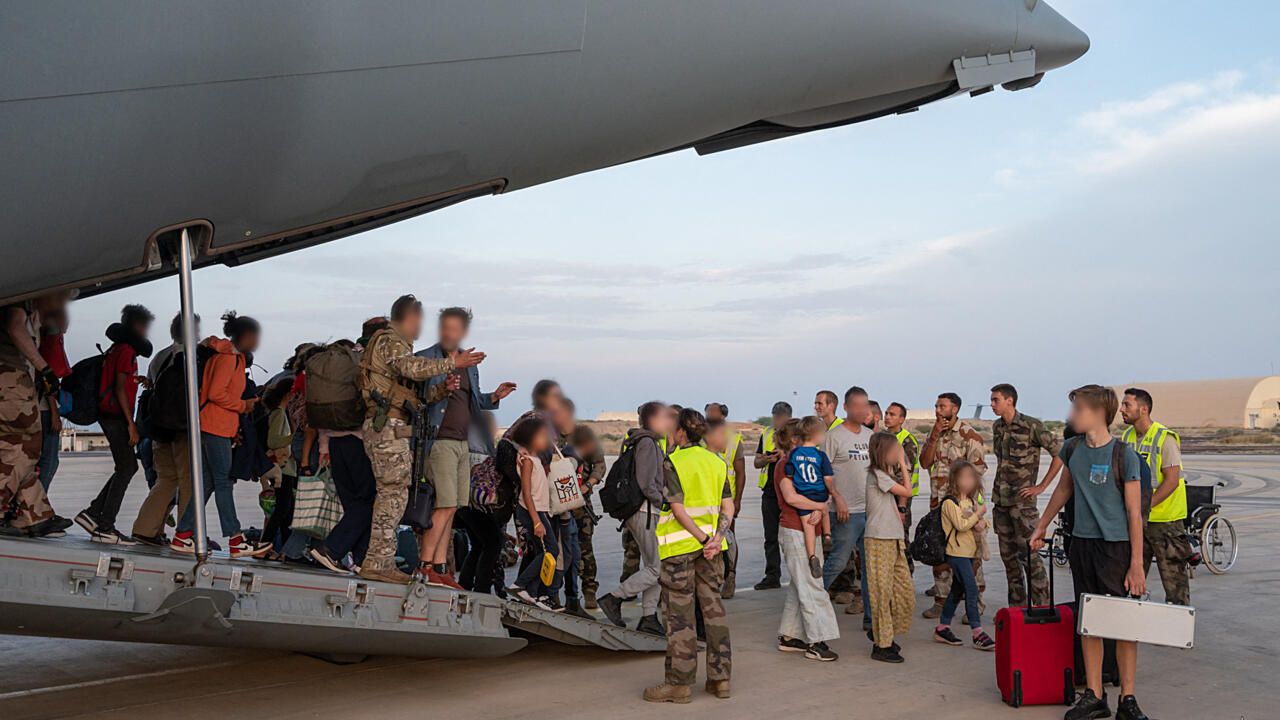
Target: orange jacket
220, 392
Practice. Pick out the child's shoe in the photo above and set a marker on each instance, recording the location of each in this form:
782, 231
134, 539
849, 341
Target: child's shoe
945, 636
815, 567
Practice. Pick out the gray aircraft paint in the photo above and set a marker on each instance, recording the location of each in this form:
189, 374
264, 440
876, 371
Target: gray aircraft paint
281, 125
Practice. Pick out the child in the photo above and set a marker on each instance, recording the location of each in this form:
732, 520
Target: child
533, 511
809, 470
892, 595
962, 521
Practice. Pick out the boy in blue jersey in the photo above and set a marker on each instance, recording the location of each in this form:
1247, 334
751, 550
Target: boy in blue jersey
809, 470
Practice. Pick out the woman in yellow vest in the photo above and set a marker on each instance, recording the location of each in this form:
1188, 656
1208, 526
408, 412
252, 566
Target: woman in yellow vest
691, 533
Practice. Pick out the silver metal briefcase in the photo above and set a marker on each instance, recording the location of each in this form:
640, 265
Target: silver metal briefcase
1117, 618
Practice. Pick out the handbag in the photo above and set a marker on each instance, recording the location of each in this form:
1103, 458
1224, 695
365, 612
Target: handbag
548, 572
316, 508
566, 493
422, 501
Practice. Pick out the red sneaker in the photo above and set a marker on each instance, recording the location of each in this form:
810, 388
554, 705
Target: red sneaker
440, 580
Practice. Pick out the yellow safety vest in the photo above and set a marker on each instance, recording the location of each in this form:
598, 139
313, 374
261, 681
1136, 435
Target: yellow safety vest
702, 477
1174, 507
904, 435
730, 452
768, 447
836, 423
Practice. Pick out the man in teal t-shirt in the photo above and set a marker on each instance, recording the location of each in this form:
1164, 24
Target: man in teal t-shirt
1100, 509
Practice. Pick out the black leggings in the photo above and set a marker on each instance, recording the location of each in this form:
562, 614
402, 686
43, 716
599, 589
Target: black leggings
486, 538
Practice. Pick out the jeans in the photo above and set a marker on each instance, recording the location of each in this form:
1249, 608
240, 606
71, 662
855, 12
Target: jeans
572, 554
964, 584
106, 506
770, 511
845, 537
50, 445
146, 456
807, 614
354, 481
217, 482
534, 549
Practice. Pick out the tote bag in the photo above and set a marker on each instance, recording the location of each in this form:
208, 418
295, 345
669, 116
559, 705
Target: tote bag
566, 494
316, 507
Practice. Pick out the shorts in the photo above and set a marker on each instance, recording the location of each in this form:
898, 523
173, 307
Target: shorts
1099, 567
449, 471
815, 494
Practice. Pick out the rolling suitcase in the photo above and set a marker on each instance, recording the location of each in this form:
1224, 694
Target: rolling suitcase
1035, 662
1153, 623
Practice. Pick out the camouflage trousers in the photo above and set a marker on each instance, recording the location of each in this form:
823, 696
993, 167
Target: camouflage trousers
942, 573
392, 463
1167, 544
20, 491
587, 558
1014, 526
630, 556
691, 585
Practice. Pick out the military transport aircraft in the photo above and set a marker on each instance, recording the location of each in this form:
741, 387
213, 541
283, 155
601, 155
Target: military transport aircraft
145, 138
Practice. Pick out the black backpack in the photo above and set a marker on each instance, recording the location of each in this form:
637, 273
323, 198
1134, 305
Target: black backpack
929, 546
620, 495
167, 403
85, 387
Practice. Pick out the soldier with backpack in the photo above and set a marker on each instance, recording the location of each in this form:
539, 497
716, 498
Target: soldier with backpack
632, 492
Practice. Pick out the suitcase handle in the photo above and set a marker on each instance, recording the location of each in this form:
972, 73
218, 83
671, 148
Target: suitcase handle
1035, 614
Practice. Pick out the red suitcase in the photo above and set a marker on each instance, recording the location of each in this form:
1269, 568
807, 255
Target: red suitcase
1035, 652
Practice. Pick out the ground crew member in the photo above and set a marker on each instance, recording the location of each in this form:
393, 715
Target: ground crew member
736, 463
691, 533
389, 368
895, 419
1018, 440
825, 404
951, 439
765, 458
25, 379
1164, 538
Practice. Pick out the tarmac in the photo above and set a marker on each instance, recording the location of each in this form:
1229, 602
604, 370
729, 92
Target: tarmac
1230, 674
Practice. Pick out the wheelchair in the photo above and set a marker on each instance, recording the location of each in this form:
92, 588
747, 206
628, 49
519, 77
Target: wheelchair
1212, 536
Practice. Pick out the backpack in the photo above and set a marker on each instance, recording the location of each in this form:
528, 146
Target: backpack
486, 484
167, 401
1117, 462
929, 546
333, 396
620, 495
85, 385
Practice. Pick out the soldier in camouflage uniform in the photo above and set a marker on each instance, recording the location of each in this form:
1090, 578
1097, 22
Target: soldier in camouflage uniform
389, 367
592, 475
1018, 441
950, 440
25, 378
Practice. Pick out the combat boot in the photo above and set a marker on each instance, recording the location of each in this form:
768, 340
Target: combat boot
652, 625
391, 575
730, 586
573, 607
719, 688
611, 606
589, 600
666, 692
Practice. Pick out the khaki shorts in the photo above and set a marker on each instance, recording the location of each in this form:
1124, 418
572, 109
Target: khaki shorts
449, 471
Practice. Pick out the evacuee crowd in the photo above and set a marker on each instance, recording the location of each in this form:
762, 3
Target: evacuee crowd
381, 461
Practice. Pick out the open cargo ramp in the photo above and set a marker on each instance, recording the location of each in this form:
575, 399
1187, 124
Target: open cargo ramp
573, 630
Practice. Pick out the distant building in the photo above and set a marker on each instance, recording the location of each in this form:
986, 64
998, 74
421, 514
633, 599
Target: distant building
618, 416
1234, 403
77, 440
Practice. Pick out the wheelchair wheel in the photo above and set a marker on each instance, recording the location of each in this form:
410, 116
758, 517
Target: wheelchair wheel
1218, 544
1058, 549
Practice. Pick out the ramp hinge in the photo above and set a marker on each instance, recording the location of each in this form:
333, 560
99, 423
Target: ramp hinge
245, 581
114, 569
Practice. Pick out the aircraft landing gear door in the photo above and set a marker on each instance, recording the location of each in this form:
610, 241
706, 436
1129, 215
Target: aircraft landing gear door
186, 254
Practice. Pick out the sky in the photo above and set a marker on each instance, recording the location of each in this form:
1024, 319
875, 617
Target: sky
1115, 223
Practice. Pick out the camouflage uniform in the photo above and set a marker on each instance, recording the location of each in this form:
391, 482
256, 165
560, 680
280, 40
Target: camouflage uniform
389, 366
594, 476
688, 580
1166, 543
1017, 446
961, 442
20, 439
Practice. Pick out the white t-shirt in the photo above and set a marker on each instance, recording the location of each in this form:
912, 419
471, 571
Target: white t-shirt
847, 447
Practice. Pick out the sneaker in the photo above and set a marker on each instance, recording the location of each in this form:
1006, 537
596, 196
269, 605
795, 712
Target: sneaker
946, 637
983, 641
550, 603
238, 547
815, 567
1089, 707
326, 561
652, 625
110, 536
820, 652
791, 645
933, 612
154, 541
611, 606
54, 527
183, 543
768, 584
1128, 709
888, 655
523, 596
86, 521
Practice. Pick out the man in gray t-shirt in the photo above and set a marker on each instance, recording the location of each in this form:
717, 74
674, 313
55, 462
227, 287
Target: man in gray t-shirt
847, 446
